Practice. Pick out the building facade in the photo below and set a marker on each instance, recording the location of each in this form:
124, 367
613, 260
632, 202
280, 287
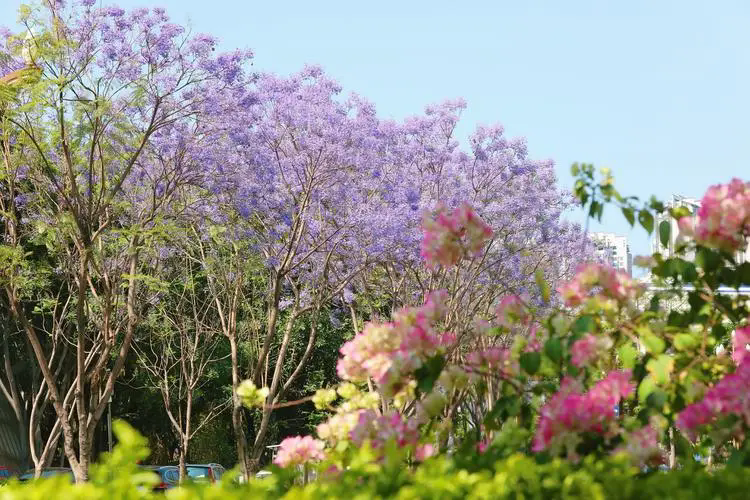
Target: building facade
613, 249
693, 205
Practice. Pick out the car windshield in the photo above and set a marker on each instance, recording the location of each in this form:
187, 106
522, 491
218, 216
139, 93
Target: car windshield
198, 472
170, 475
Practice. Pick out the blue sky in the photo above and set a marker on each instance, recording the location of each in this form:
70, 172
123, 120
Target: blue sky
656, 90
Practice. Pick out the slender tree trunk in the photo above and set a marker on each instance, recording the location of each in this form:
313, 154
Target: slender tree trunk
237, 424
84, 446
260, 436
183, 458
672, 453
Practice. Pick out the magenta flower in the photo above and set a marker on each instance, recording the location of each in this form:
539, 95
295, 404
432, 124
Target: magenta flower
570, 412
730, 396
740, 343
299, 450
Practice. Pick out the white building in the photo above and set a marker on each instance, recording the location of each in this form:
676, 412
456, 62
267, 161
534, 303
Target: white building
693, 205
614, 249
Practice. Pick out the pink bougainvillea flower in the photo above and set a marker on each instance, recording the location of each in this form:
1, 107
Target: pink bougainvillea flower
613, 284
642, 446
730, 396
570, 412
724, 216
512, 311
588, 348
424, 451
740, 341
450, 236
389, 353
299, 450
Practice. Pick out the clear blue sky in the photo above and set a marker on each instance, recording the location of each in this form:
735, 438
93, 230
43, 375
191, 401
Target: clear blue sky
656, 90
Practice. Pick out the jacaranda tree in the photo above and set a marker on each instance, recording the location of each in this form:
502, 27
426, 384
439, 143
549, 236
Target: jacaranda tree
97, 137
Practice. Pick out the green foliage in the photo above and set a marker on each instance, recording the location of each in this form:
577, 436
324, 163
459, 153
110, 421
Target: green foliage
466, 474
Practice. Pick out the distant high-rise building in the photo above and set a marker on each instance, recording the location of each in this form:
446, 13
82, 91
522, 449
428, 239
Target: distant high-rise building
614, 249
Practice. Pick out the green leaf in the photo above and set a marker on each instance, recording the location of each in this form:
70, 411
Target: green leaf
530, 362
648, 385
679, 212
629, 215
594, 209
646, 220
542, 284
628, 356
429, 372
553, 349
584, 324
653, 344
743, 274
661, 368
707, 259
685, 341
657, 399
664, 229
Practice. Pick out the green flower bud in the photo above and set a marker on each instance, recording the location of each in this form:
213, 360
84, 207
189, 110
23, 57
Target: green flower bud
251, 396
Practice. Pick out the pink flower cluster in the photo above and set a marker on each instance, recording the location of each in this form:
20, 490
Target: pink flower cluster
449, 236
381, 429
299, 450
730, 396
388, 352
724, 217
588, 348
570, 411
511, 311
614, 284
740, 342
642, 445
493, 358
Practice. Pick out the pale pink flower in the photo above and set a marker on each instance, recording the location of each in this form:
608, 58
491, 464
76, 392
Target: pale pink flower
450, 236
424, 451
389, 353
588, 348
613, 284
299, 450
511, 311
642, 446
382, 429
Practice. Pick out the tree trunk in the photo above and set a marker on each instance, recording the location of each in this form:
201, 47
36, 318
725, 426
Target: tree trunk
183, 458
260, 436
237, 424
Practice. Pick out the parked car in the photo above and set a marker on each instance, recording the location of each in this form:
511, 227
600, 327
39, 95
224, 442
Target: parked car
205, 472
262, 474
48, 472
169, 476
6, 473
